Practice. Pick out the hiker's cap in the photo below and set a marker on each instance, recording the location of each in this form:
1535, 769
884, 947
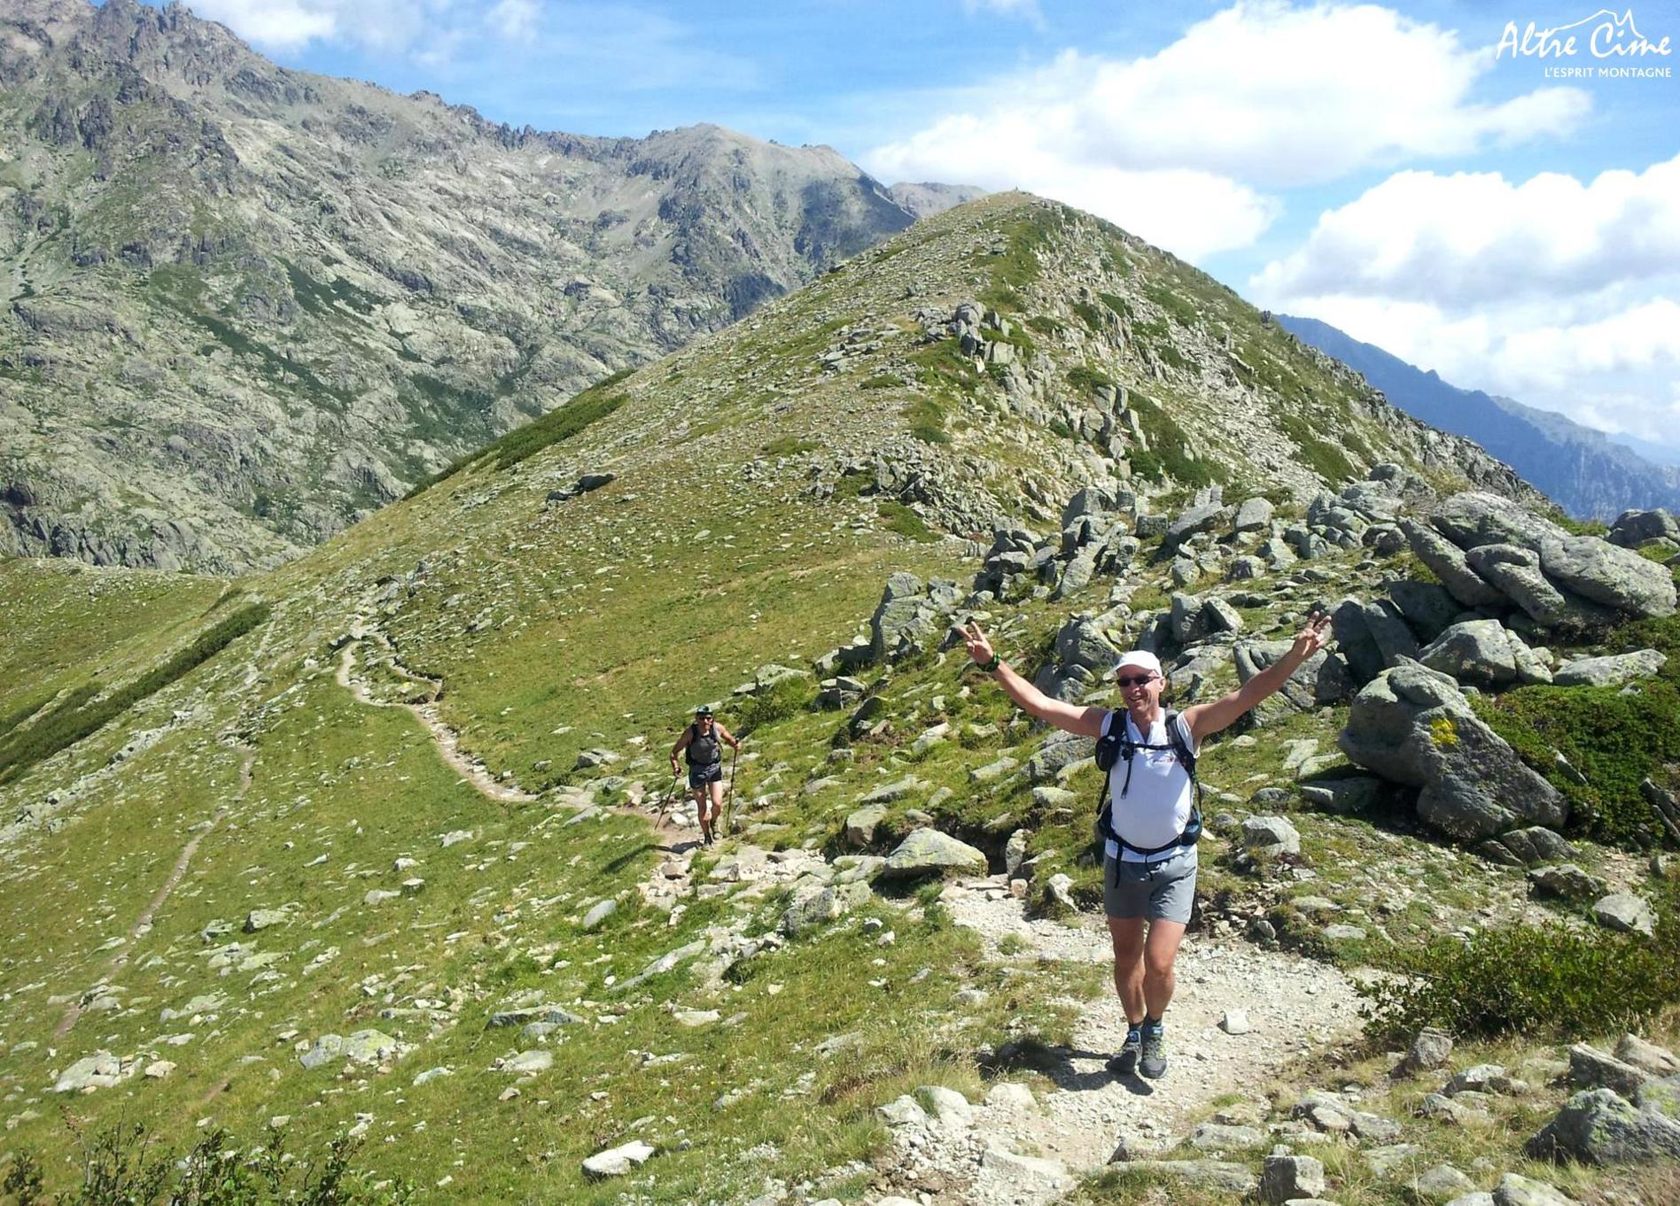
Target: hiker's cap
703, 710
1142, 659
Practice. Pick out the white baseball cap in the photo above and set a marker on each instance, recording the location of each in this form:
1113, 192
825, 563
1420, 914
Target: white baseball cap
1142, 659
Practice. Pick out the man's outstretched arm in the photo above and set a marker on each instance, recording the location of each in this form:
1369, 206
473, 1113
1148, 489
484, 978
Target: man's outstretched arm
1074, 718
1207, 719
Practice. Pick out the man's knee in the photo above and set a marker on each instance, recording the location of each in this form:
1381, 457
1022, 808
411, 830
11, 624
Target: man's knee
1159, 964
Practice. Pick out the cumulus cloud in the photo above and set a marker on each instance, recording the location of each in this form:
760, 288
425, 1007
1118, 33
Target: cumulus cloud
1259, 96
514, 19
1559, 292
1027, 9
1471, 238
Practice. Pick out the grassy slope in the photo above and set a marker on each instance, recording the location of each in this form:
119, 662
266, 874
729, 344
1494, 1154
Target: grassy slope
556, 628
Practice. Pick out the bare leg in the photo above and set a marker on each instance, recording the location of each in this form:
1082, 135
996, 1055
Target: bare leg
698, 795
716, 789
1128, 937
1159, 954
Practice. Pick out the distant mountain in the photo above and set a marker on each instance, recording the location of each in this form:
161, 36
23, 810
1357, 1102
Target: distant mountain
241, 306
924, 200
1587, 474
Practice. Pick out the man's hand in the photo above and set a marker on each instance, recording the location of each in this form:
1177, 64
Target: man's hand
979, 647
1312, 638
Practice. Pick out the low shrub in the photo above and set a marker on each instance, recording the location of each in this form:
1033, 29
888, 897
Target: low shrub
1614, 740
125, 1163
75, 717
786, 698
1553, 982
903, 520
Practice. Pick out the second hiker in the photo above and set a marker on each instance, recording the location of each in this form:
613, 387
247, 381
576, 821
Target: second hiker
1149, 821
703, 742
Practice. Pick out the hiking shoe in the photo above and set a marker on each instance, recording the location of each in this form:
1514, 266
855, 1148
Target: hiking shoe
1154, 1061
1126, 1062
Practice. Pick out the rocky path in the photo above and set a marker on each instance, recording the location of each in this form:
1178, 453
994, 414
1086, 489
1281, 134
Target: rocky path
446, 739
1019, 1148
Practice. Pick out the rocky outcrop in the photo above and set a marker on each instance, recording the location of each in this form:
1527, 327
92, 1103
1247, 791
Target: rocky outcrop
1412, 726
1490, 551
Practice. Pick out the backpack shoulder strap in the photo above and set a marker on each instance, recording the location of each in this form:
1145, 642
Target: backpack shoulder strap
1180, 738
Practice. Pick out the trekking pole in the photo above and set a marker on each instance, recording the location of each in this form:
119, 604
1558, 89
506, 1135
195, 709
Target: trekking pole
729, 800
665, 804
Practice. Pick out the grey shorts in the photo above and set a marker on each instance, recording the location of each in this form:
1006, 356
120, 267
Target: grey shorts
699, 776
1159, 891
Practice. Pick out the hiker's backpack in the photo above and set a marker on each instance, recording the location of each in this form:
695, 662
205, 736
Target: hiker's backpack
714, 744
1116, 746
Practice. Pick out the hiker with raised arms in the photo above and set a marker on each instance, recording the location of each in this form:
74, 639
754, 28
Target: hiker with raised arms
1149, 820
703, 742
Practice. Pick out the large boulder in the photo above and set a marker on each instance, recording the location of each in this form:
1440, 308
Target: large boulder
1616, 577
1428, 608
1208, 517
1483, 652
1412, 726
928, 851
1473, 518
909, 616
1301, 691
1446, 561
1517, 572
1634, 528
1612, 671
1600, 1126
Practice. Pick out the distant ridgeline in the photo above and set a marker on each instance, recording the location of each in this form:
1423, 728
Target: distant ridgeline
1590, 476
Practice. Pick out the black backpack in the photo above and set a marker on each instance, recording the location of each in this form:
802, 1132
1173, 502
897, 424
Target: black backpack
1116, 746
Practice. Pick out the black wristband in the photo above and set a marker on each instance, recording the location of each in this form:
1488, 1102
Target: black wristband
988, 667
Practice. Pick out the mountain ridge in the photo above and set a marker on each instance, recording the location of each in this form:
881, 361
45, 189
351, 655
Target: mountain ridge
296, 295
1590, 475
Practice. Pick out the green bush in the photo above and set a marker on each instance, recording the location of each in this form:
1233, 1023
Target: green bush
1553, 982
903, 520
1169, 450
75, 717
1614, 740
125, 1164
787, 698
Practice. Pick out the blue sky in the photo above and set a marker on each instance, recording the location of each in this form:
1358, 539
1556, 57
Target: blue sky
1383, 167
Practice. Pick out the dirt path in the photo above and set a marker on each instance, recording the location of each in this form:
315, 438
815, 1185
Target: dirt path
143, 924
1297, 1007
445, 738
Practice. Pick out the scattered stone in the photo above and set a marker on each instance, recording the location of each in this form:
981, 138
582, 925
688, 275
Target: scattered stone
598, 913
101, 1070
1011, 1095
1599, 1126
1286, 1177
1441, 1184
901, 1112
1271, 835
1590, 1068
1647, 1057
1516, 1190
262, 919
1564, 880
1216, 1137
527, 1063
929, 850
1613, 671
1235, 1021
617, 1161
1625, 912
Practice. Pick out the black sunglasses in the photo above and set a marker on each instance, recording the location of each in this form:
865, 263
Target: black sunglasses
1128, 681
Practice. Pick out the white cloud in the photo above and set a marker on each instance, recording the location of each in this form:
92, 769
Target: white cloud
1561, 293
514, 20
1027, 9
1472, 238
287, 25
1261, 95
1606, 361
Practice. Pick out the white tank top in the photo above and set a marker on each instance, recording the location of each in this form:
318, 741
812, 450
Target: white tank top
1156, 807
